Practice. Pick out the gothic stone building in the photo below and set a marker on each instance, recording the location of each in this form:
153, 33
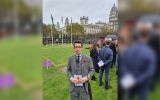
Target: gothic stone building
92, 28
113, 18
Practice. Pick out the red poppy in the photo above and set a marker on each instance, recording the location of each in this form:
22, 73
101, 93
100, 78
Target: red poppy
85, 61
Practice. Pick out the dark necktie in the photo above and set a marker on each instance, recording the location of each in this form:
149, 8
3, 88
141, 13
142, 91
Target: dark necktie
78, 58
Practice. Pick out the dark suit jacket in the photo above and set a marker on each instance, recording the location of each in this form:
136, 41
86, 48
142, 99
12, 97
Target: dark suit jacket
138, 60
106, 55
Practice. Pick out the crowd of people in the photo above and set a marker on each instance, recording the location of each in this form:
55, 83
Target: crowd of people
103, 51
135, 54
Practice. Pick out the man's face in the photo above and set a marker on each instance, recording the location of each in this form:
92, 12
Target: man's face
78, 48
100, 42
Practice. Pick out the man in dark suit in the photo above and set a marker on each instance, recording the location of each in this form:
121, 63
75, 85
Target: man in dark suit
137, 69
106, 56
80, 69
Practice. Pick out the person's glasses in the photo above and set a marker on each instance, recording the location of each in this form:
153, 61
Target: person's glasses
78, 47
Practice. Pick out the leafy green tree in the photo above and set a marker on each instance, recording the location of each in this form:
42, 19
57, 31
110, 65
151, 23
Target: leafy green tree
106, 30
77, 29
46, 29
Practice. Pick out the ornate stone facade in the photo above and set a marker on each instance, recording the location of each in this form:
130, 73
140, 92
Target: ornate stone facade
92, 28
113, 18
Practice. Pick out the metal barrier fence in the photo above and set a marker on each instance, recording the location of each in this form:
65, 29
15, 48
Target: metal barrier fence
57, 39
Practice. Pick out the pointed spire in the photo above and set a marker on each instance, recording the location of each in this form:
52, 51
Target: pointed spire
67, 21
58, 25
114, 5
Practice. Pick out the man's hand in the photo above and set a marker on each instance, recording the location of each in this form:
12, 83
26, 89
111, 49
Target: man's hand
128, 81
84, 79
100, 63
75, 81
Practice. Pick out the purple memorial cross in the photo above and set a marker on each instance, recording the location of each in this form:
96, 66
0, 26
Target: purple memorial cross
47, 63
1, 81
7, 80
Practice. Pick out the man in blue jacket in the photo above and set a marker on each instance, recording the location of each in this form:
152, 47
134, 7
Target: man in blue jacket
106, 56
138, 63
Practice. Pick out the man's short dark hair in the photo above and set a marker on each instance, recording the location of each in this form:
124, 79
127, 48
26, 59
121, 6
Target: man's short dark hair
108, 42
144, 34
78, 41
101, 37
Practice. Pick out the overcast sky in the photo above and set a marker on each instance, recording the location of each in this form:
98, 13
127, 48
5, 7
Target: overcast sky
96, 10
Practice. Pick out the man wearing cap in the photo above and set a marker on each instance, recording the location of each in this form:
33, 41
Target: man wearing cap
80, 69
105, 57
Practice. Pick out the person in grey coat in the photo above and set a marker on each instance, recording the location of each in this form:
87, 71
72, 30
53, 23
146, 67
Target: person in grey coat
80, 69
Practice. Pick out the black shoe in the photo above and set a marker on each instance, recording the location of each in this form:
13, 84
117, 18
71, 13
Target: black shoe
93, 78
101, 84
97, 70
108, 87
112, 66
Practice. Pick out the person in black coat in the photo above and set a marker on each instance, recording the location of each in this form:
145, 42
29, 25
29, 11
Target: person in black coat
154, 43
113, 48
94, 57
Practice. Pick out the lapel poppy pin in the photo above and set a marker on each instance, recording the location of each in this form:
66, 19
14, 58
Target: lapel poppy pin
85, 61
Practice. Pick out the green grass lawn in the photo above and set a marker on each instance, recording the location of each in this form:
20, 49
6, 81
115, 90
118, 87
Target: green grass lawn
58, 53
56, 83
21, 56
